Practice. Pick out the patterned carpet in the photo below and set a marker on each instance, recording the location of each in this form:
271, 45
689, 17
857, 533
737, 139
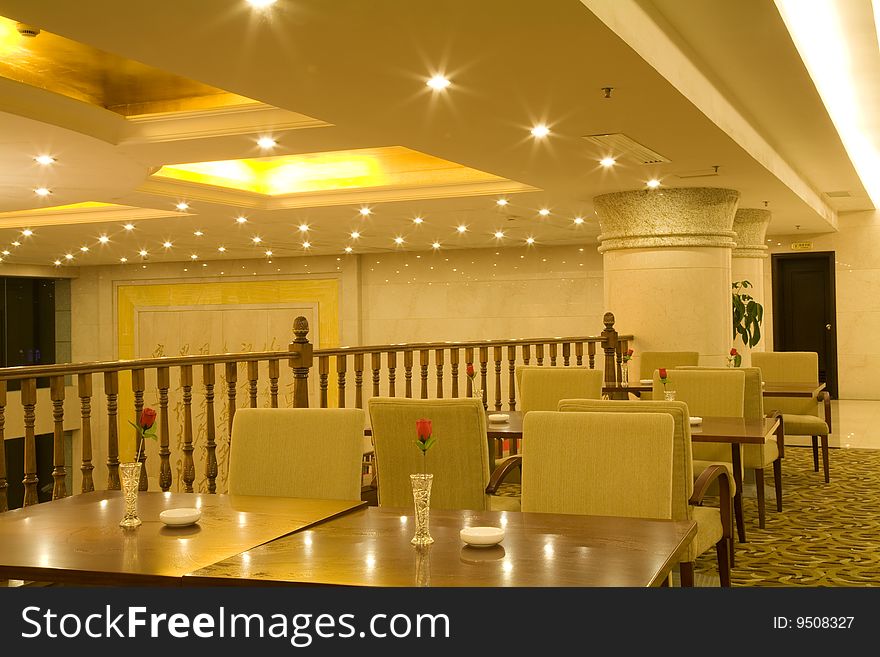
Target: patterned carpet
827, 534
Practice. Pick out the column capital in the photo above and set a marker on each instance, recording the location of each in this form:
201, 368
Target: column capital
750, 226
668, 217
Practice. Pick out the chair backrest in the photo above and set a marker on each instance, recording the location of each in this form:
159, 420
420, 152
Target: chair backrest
682, 457
653, 360
608, 464
753, 395
297, 452
541, 388
715, 393
789, 367
459, 459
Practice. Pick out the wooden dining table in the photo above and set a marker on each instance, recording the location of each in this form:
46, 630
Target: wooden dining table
780, 389
371, 547
78, 540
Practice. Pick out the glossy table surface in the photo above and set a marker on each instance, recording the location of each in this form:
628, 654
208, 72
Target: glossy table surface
78, 539
734, 430
371, 547
792, 389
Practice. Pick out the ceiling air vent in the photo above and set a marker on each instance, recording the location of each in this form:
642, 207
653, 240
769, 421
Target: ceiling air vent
619, 145
698, 173
27, 30
839, 194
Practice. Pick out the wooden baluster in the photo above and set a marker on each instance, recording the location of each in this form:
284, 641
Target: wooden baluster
231, 385
619, 358
4, 485
566, 353
253, 370
189, 467
438, 366
359, 380
29, 402
497, 353
424, 355
453, 363
323, 377
211, 467
469, 361
341, 364
609, 346
59, 469
484, 360
511, 379
138, 383
301, 362
391, 357
376, 366
163, 382
591, 354
111, 390
539, 354
274, 371
553, 349
579, 353
527, 353
407, 371
84, 390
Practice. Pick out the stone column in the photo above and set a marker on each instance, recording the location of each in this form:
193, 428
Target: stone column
666, 256
747, 264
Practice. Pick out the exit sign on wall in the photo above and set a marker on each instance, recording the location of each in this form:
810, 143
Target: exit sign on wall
801, 246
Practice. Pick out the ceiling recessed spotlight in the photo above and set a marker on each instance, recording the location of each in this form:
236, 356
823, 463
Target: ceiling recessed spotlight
103, 239
198, 233
398, 240
45, 160
5, 252
261, 4
123, 260
461, 229
303, 228
167, 245
241, 220
143, 253
266, 143
653, 183
27, 232
418, 220
578, 220
84, 249
607, 162
348, 249
355, 234
530, 240
307, 245
436, 245
256, 239
499, 234
68, 256
365, 212
269, 253
57, 263
16, 243
129, 226
540, 131
42, 191
183, 205
194, 257
438, 82
543, 212
221, 249
502, 202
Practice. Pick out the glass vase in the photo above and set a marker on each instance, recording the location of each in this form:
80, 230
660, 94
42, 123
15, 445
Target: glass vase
624, 376
130, 474
421, 489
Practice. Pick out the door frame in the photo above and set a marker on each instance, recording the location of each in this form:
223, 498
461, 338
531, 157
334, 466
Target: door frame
829, 258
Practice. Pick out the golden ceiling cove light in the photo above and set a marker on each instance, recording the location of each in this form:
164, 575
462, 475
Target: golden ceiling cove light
540, 131
607, 162
42, 191
266, 143
45, 160
653, 183
365, 212
27, 232
543, 212
183, 205
241, 220
438, 82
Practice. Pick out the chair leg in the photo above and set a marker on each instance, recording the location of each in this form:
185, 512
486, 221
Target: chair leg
815, 453
759, 490
686, 570
723, 562
825, 458
777, 480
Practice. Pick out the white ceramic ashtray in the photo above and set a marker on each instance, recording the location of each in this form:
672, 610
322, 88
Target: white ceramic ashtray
646, 382
497, 418
695, 419
180, 517
482, 536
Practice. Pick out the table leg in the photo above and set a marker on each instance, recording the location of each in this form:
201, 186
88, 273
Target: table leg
737, 499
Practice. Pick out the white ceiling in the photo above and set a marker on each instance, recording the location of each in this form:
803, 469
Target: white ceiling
361, 67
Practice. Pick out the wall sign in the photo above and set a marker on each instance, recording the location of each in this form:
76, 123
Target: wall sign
801, 246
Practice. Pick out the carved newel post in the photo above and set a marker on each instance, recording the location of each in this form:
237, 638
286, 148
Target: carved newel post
609, 345
300, 362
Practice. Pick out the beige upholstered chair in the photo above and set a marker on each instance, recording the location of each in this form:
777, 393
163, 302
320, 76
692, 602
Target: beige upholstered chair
758, 457
714, 526
800, 415
541, 388
297, 452
653, 360
459, 460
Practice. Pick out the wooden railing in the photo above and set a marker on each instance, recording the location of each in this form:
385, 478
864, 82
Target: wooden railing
428, 370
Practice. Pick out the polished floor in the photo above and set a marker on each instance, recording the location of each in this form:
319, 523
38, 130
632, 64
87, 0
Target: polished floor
854, 424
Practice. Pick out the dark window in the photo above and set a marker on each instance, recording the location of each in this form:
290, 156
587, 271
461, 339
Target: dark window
27, 324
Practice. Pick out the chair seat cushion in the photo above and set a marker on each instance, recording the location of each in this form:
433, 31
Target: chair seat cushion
709, 530
760, 456
504, 503
804, 425
699, 466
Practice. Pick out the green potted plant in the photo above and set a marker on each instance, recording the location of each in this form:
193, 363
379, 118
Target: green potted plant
748, 315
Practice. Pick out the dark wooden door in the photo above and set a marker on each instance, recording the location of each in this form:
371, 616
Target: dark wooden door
804, 316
